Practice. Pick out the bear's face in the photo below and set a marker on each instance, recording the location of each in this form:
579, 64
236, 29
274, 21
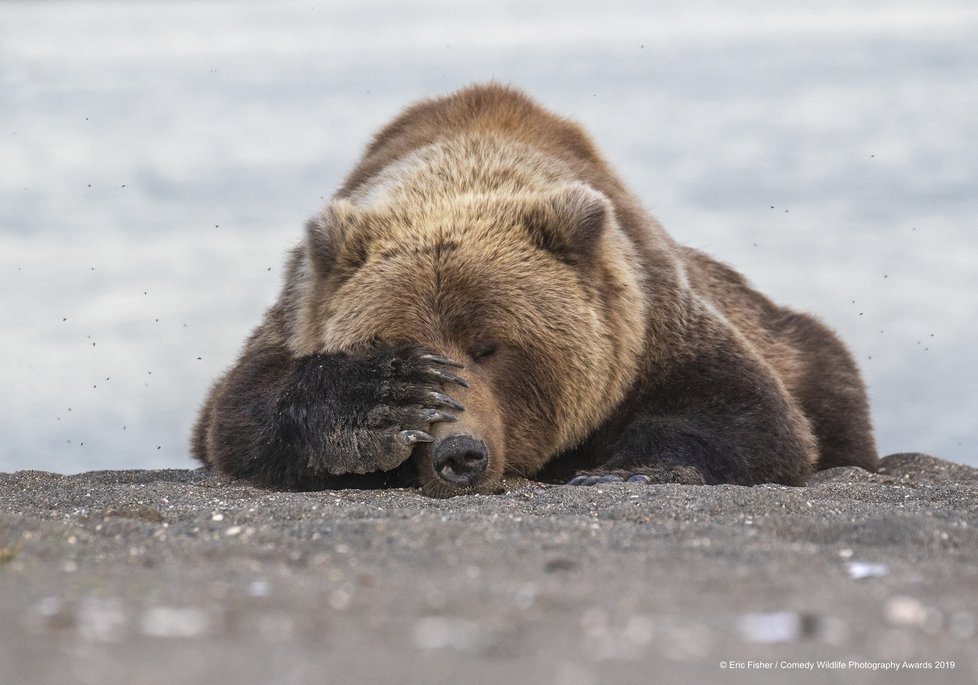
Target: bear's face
537, 296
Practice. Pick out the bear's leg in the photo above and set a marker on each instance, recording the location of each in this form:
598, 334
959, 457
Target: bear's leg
832, 395
308, 422
721, 417
673, 449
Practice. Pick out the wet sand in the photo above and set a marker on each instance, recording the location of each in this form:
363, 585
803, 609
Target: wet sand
182, 576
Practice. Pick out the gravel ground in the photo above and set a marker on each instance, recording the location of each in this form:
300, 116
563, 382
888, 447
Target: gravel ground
184, 577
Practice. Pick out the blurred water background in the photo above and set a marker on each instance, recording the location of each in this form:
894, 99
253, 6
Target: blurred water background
158, 159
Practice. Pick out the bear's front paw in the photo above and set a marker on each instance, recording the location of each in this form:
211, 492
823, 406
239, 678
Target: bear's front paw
394, 399
433, 406
660, 473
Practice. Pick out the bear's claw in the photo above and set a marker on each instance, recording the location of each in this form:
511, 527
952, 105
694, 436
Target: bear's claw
411, 437
442, 360
447, 377
446, 401
434, 415
608, 478
594, 480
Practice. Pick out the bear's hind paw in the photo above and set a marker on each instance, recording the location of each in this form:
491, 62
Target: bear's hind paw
687, 475
609, 478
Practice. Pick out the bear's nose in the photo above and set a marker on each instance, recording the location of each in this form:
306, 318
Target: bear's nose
460, 459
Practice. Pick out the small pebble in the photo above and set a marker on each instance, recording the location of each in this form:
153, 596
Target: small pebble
905, 611
859, 570
259, 588
776, 626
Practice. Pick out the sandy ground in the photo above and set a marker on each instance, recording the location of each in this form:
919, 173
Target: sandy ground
182, 577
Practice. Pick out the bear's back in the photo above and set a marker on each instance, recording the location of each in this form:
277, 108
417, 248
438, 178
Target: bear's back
490, 109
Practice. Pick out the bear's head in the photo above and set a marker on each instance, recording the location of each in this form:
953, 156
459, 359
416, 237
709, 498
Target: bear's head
538, 295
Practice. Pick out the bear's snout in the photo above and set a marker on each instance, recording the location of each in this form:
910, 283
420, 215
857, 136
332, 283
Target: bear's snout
460, 458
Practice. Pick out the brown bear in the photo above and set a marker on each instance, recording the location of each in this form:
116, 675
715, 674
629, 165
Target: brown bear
483, 296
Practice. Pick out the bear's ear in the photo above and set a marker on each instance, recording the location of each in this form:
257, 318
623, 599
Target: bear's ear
336, 239
568, 222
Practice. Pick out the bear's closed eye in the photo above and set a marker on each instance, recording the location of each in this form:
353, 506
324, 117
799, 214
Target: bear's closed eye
482, 351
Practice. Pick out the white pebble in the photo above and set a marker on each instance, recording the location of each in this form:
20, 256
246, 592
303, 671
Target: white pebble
259, 588
776, 626
905, 611
859, 570
101, 620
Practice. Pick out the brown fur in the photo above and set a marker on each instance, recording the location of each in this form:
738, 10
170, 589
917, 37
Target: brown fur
482, 220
